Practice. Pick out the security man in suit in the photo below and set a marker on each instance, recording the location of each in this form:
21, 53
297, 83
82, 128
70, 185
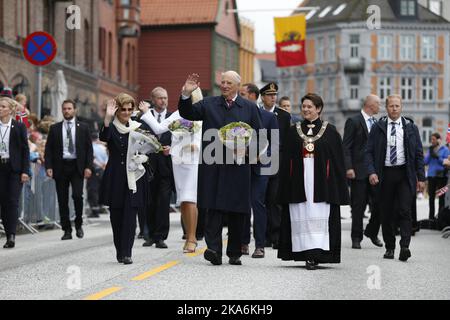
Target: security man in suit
394, 159
14, 167
68, 160
269, 98
356, 132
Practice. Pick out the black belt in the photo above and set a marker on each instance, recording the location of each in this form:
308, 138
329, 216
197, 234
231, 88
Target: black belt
396, 167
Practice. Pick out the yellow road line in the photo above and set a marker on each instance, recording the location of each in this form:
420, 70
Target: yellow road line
155, 271
102, 294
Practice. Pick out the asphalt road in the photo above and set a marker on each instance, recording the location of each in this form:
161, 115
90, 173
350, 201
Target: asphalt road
44, 267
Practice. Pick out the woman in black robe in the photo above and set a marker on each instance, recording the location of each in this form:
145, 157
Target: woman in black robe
312, 188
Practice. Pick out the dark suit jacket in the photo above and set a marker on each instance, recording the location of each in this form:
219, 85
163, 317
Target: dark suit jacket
19, 152
284, 123
269, 121
222, 186
355, 140
377, 146
54, 148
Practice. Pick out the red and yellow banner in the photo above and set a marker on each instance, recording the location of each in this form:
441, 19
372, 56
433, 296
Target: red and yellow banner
290, 35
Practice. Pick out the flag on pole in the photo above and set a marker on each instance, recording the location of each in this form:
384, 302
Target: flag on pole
290, 35
448, 133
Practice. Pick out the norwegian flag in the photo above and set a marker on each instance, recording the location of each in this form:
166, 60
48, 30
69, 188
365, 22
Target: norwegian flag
442, 191
448, 133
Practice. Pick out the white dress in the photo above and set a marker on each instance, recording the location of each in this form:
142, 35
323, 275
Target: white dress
185, 153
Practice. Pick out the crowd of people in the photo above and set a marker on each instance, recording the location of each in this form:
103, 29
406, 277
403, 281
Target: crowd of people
138, 159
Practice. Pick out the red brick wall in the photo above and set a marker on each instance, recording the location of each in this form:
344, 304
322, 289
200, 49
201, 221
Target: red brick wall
167, 56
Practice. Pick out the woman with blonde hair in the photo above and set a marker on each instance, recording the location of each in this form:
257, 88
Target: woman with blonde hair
14, 167
124, 185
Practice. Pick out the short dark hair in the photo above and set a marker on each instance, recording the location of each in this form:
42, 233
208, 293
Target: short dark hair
69, 101
252, 88
316, 100
284, 98
436, 135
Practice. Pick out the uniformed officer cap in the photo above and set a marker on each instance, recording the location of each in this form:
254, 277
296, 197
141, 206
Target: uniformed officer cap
270, 88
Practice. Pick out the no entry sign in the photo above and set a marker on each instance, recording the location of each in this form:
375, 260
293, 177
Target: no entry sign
39, 48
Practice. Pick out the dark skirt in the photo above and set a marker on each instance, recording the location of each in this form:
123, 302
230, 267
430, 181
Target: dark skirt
319, 255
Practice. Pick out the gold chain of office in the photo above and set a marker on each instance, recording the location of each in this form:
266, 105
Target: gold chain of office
308, 142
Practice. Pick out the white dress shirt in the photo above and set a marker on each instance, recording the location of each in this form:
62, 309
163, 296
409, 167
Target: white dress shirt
163, 114
399, 143
66, 153
5, 132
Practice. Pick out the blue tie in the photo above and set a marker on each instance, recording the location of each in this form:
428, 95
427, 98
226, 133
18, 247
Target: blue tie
394, 147
371, 122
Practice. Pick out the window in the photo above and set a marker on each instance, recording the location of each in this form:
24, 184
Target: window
428, 48
407, 89
319, 88
87, 47
427, 131
302, 85
354, 87
407, 48
385, 47
320, 50
332, 89
22, 18
428, 89
354, 46
436, 6
310, 14
331, 48
110, 43
408, 8
384, 87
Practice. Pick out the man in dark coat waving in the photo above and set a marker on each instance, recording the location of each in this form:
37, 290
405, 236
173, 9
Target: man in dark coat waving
223, 186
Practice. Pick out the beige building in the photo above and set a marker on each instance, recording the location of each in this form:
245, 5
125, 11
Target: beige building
247, 51
347, 60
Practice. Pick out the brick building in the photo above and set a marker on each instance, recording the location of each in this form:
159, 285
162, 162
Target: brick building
409, 55
182, 37
99, 60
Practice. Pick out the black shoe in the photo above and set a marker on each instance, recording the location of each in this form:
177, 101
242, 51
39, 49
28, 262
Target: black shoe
80, 233
404, 254
374, 240
67, 236
311, 265
127, 260
275, 245
356, 244
10, 242
236, 261
119, 259
259, 253
148, 243
161, 244
213, 257
389, 254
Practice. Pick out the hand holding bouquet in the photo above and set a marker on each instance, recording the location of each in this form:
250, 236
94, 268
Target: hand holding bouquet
236, 136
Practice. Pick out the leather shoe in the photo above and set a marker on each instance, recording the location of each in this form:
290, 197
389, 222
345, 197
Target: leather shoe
212, 257
119, 259
127, 260
80, 233
244, 249
404, 254
235, 261
356, 244
389, 254
311, 265
374, 240
148, 243
259, 253
161, 244
67, 236
10, 242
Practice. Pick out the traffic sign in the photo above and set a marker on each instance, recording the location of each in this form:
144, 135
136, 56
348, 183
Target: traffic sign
39, 48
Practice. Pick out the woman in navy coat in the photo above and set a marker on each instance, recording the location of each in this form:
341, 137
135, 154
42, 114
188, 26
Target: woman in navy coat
120, 190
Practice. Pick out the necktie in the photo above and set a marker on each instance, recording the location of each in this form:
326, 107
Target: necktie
229, 103
393, 146
371, 122
159, 117
69, 136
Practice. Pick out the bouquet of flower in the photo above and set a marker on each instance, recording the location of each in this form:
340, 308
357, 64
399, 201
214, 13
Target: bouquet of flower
184, 126
236, 136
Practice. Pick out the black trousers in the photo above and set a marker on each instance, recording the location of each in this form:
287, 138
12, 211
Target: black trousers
10, 189
273, 211
123, 222
213, 231
363, 194
396, 202
158, 214
434, 184
93, 187
70, 177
